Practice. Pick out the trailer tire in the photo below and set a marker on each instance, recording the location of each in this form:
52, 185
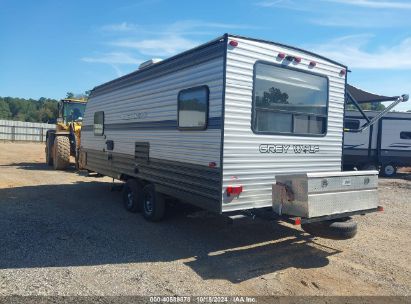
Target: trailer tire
133, 195
388, 170
49, 151
369, 167
153, 206
348, 168
340, 229
61, 156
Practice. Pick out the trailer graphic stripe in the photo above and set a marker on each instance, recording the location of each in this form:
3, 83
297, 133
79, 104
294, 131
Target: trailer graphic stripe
213, 123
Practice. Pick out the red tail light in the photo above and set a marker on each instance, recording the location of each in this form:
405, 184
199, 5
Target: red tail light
297, 221
281, 55
233, 43
212, 164
297, 59
342, 72
234, 190
313, 64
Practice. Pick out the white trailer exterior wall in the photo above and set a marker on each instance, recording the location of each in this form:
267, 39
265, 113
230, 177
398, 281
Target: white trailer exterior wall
157, 98
142, 107
198, 166
243, 164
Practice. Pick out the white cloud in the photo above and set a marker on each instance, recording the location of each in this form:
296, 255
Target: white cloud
162, 46
113, 58
163, 40
348, 13
119, 27
299, 4
278, 3
374, 4
151, 41
185, 26
351, 50
167, 40
293, 5
361, 20
118, 71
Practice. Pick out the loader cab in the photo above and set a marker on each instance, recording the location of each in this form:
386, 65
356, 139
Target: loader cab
71, 110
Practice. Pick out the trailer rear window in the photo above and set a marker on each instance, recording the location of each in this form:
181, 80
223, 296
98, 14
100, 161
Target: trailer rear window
405, 135
289, 101
352, 124
193, 108
99, 123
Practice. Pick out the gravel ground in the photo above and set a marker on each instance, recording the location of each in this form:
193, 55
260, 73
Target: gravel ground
67, 234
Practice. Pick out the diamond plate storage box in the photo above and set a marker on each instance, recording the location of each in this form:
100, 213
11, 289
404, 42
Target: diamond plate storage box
319, 194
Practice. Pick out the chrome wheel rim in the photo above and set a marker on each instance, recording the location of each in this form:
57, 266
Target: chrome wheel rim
389, 170
129, 199
148, 204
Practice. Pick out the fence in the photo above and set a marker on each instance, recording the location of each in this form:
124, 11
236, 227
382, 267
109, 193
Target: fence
23, 131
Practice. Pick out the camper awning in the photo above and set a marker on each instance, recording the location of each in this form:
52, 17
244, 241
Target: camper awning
363, 96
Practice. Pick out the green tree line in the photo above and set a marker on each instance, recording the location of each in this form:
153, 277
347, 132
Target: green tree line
32, 110
377, 106
45, 109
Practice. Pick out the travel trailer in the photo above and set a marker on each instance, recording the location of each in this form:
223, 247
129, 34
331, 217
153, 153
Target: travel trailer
234, 126
384, 146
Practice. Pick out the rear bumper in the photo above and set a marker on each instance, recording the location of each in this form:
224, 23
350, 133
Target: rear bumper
267, 215
299, 220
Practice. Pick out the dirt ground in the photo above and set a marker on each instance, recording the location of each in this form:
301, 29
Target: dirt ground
66, 234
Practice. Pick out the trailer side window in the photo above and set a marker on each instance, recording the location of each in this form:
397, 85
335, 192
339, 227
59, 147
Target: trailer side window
99, 123
352, 124
193, 108
289, 101
405, 135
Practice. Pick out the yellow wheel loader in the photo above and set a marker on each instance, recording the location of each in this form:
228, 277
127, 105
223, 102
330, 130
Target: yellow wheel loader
64, 141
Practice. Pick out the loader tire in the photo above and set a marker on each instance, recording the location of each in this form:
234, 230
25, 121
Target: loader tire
340, 229
49, 151
61, 156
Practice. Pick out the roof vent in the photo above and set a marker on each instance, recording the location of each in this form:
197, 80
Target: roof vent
148, 63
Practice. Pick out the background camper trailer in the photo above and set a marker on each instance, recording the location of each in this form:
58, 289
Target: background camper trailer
234, 125
385, 145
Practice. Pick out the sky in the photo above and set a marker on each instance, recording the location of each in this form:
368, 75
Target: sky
50, 47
